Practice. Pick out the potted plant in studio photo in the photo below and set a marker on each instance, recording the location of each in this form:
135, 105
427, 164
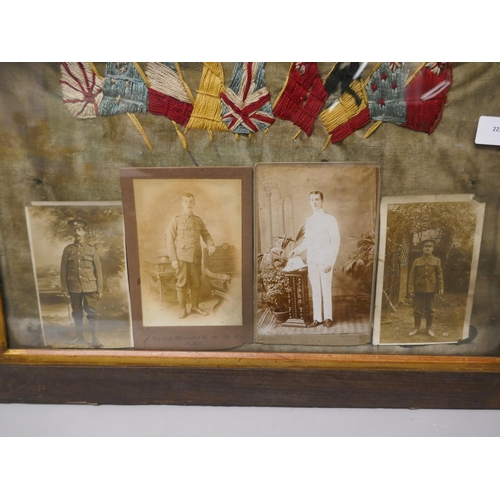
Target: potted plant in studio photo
359, 266
273, 284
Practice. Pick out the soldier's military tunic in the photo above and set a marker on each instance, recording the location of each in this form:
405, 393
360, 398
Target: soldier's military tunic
81, 276
426, 278
184, 245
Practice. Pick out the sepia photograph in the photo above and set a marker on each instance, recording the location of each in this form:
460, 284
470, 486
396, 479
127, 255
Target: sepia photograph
78, 255
186, 246
316, 227
429, 251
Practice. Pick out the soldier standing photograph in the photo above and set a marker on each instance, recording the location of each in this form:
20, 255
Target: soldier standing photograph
79, 267
186, 242
427, 241
425, 280
184, 236
81, 282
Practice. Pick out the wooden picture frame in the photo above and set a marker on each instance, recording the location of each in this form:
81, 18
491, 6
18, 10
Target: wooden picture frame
129, 377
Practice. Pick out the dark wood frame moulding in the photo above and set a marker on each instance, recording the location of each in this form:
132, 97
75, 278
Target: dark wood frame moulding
53, 376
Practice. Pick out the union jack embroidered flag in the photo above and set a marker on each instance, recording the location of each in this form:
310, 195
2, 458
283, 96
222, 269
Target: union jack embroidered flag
246, 106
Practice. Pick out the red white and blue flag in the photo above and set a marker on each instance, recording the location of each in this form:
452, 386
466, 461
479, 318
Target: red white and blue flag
246, 106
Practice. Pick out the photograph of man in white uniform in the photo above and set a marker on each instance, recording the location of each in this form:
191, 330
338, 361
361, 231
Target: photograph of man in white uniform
322, 241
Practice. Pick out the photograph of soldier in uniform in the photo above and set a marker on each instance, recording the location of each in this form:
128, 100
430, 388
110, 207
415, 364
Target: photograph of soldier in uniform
429, 248
78, 256
81, 282
189, 241
316, 230
184, 235
425, 280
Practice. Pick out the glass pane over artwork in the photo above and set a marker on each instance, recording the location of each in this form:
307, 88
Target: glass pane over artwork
61, 154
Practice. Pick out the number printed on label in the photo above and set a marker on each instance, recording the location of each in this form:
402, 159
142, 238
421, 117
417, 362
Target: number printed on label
488, 131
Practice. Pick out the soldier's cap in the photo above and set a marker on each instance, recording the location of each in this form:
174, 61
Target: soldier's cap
74, 223
429, 241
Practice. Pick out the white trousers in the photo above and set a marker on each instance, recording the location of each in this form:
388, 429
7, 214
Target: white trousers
321, 284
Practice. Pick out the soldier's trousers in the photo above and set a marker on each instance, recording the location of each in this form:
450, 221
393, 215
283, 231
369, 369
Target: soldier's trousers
424, 304
188, 275
84, 301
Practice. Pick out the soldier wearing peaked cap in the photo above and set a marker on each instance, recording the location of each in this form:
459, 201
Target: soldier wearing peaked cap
184, 236
81, 281
425, 280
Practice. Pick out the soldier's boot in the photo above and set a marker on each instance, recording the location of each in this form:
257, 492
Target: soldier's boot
418, 323
94, 330
428, 326
181, 299
80, 339
195, 300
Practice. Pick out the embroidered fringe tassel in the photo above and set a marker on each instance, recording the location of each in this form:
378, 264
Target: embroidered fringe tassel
302, 97
94, 69
246, 104
206, 113
138, 126
81, 90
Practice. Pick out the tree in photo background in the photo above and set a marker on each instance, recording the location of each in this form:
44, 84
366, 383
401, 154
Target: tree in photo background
452, 224
102, 225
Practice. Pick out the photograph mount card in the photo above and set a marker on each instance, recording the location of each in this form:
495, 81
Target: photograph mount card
189, 241
428, 258
316, 236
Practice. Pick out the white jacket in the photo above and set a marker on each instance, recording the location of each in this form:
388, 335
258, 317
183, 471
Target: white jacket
322, 239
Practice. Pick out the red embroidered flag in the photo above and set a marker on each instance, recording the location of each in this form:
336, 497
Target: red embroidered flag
425, 97
302, 97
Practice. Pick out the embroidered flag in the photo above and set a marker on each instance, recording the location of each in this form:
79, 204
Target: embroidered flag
302, 97
386, 93
347, 107
339, 80
81, 89
169, 94
206, 113
84, 94
124, 90
246, 106
426, 96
